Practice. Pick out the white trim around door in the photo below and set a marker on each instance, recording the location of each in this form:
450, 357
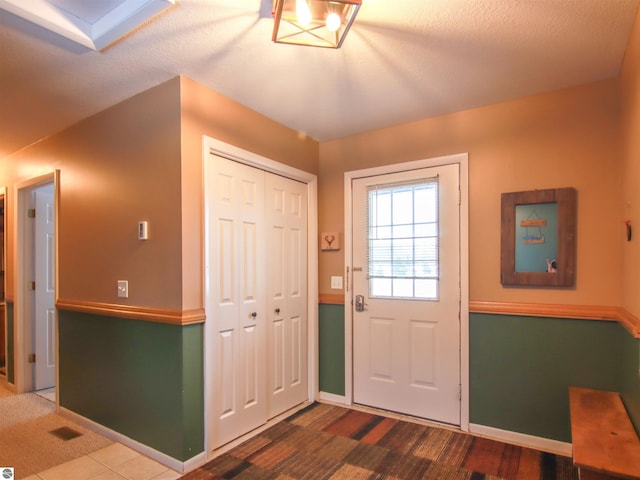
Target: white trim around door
23, 263
461, 160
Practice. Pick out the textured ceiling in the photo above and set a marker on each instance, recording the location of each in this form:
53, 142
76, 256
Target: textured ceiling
403, 60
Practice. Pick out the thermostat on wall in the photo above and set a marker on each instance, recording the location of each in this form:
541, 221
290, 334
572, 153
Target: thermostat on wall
143, 231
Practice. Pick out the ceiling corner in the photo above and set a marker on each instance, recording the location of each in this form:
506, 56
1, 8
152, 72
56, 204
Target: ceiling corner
94, 25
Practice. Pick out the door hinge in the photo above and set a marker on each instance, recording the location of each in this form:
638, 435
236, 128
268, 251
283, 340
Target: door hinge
31, 358
31, 213
32, 286
460, 392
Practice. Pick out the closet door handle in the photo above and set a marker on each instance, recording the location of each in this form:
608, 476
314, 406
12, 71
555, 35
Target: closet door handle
254, 314
277, 310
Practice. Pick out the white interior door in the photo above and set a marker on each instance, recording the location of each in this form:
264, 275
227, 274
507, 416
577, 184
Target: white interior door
236, 302
406, 272
45, 314
286, 269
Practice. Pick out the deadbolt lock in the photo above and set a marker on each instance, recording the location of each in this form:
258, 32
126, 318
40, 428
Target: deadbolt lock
360, 303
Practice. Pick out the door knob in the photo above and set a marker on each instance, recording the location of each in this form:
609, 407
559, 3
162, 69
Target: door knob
254, 314
277, 310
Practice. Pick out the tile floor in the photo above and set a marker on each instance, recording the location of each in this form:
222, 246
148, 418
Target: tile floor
115, 462
48, 393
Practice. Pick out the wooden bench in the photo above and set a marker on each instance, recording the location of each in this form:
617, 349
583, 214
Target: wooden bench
605, 444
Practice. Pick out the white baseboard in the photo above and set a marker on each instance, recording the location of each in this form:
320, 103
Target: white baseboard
522, 439
159, 457
194, 462
332, 397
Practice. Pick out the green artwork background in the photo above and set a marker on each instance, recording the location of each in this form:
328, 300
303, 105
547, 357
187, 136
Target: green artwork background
533, 257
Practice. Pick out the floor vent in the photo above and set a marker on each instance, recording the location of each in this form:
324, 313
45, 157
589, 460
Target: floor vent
65, 433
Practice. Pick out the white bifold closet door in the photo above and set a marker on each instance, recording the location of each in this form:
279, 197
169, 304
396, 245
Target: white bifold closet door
286, 269
257, 297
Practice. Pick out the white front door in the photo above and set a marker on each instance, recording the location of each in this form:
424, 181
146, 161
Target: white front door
237, 298
406, 292
286, 269
45, 314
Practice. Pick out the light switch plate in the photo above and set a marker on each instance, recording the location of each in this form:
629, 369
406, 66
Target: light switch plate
336, 283
123, 288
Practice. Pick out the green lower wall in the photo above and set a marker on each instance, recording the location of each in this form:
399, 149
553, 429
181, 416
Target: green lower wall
521, 368
141, 379
145, 380
331, 349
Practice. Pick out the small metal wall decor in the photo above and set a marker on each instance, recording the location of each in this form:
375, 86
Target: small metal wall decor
536, 224
538, 238
330, 241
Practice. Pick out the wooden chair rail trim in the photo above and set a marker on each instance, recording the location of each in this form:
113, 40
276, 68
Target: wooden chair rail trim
331, 298
157, 315
582, 312
630, 322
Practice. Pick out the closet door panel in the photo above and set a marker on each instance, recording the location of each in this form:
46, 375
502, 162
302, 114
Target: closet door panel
236, 252
286, 217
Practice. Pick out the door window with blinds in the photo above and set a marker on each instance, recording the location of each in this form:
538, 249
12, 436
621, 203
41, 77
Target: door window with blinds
402, 226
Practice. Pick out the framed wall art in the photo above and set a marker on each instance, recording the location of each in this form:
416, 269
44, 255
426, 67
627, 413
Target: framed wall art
538, 238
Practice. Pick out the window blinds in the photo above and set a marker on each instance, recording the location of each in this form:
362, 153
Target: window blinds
402, 228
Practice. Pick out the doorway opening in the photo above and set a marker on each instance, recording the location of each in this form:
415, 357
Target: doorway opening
35, 285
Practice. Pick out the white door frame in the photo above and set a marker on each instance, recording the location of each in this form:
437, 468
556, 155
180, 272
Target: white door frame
462, 160
211, 147
23, 257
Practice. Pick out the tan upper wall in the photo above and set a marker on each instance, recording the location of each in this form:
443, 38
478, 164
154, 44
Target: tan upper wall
205, 112
117, 167
142, 160
630, 87
568, 138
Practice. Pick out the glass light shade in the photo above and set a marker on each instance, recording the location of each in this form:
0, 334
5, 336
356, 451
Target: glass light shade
330, 21
303, 13
333, 22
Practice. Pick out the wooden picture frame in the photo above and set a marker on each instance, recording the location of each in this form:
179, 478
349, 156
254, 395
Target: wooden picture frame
520, 249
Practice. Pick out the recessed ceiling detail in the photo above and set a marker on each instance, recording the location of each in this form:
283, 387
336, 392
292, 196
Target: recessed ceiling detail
94, 25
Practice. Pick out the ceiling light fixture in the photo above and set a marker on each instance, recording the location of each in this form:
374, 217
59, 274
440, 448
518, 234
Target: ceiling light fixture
316, 23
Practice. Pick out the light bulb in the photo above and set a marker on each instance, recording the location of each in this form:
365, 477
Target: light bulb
333, 22
303, 12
